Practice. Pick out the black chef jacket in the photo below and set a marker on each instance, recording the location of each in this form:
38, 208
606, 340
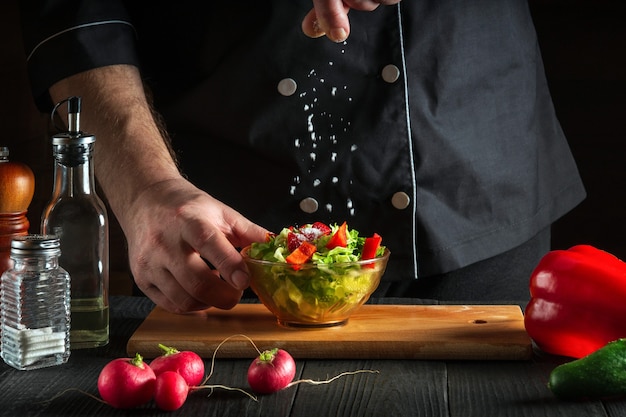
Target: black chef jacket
431, 125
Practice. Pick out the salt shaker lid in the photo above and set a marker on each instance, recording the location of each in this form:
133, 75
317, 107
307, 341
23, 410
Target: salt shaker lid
48, 244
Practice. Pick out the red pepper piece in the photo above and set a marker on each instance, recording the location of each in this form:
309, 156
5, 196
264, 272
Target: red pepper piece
340, 238
301, 255
577, 301
371, 245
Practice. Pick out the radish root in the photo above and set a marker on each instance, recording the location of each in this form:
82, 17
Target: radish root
328, 381
226, 387
62, 393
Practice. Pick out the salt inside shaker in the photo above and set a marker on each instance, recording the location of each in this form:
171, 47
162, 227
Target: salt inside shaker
35, 309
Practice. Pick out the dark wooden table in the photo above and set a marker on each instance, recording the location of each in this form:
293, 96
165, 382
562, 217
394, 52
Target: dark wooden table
402, 388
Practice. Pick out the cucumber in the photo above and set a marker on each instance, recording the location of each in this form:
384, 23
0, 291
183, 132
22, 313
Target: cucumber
599, 375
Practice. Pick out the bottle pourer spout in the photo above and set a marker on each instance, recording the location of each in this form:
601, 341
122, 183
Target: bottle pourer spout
73, 115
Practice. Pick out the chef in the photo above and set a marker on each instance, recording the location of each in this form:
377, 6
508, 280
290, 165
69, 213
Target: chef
428, 122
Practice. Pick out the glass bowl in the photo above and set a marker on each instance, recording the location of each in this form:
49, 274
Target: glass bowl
315, 295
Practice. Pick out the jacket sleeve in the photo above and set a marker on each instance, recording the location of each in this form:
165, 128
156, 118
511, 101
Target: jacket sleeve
66, 37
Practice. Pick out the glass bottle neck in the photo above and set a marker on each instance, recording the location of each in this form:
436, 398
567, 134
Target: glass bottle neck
74, 179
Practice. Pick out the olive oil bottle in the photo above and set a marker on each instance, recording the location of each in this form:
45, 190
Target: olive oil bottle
77, 216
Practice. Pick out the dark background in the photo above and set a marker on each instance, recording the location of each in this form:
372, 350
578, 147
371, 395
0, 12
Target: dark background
584, 50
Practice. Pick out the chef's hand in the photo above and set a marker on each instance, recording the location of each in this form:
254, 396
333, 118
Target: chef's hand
174, 228
330, 17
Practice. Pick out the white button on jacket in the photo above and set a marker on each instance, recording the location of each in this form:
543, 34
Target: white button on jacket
287, 86
309, 205
400, 200
390, 73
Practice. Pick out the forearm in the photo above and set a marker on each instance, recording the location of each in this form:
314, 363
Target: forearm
131, 151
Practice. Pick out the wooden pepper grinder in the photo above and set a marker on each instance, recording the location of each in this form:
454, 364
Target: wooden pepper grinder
17, 186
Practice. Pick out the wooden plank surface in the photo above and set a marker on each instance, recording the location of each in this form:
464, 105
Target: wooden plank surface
509, 389
401, 388
475, 332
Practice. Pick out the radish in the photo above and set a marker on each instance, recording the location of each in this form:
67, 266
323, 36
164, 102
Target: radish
126, 382
170, 391
188, 364
271, 371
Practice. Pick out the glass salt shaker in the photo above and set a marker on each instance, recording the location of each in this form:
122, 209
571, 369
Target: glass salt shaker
35, 312
78, 217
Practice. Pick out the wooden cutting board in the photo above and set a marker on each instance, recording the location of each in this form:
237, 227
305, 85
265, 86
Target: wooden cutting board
481, 332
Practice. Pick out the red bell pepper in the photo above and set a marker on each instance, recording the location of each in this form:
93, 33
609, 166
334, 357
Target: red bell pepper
301, 255
370, 247
578, 301
340, 238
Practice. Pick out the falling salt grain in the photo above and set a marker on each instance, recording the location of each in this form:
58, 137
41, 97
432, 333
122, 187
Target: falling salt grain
296, 143
329, 207
335, 180
333, 91
353, 148
312, 155
306, 107
292, 190
349, 203
316, 182
333, 156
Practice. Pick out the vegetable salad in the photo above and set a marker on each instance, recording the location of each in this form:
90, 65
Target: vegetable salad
314, 274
